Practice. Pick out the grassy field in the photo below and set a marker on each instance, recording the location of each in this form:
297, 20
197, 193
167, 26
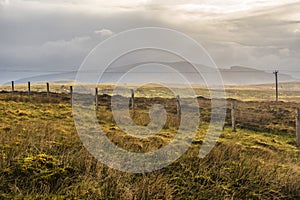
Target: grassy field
42, 156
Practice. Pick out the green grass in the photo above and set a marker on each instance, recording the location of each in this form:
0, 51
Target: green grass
42, 157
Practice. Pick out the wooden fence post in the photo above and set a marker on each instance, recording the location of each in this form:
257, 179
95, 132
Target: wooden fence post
96, 98
233, 116
29, 91
48, 89
178, 106
132, 100
298, 127
12, 87
71, 91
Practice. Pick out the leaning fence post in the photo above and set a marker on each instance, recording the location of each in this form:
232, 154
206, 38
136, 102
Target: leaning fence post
233, 122
48, 89
12, 87
96, 98
298, 127
178, 106
132, 100
29, 88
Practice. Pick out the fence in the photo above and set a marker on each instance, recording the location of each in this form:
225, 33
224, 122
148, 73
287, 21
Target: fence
259, 116
265, 116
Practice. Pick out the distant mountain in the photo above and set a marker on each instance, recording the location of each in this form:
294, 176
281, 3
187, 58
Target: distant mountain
235, 75
247, 76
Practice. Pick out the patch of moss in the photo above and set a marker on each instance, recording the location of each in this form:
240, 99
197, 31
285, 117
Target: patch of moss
40, 169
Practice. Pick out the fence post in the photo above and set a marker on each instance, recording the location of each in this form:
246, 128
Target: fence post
71, 91
29, 88
12, 87
132, 100
233, 122
178, 106
96, 98
48, 89
298, 127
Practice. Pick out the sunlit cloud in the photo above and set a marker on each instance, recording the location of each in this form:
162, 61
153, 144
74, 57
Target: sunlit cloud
4, 3
104, 32
257, 33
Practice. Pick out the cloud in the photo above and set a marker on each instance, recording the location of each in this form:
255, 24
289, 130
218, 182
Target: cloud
4, 3
87, 6
104, 32
43, 33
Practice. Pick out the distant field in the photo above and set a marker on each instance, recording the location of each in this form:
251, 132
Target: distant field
264, 92
42, 156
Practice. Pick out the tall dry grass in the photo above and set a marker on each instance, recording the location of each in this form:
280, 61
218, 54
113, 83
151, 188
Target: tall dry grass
42, 157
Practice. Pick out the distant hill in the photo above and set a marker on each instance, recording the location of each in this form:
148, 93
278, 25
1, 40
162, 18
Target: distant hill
236, 75
246, 76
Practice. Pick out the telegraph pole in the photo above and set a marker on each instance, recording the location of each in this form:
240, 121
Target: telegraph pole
276, 79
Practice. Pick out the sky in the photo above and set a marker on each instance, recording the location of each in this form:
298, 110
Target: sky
47, 36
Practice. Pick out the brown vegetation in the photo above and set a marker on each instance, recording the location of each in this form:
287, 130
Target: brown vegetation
42, 156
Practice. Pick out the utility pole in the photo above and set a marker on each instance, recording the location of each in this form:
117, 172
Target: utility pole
276, 79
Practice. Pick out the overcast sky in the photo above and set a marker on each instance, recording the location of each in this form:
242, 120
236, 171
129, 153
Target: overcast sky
48, 35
